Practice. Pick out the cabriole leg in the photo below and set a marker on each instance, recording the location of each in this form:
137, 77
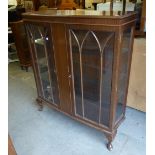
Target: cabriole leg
110, 138
26, 68
40, 103
109, 146
22, 68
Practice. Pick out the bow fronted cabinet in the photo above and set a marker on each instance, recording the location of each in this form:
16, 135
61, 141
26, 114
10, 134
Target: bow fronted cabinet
81, 62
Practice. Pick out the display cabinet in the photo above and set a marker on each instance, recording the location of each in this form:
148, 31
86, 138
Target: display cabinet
21, 44
81, 61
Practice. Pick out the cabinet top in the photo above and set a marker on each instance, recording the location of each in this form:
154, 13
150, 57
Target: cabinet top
79, 13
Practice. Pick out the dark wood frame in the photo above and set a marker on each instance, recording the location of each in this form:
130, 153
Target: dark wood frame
60, 26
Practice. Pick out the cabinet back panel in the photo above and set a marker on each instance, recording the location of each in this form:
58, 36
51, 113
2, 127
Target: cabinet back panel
123, 72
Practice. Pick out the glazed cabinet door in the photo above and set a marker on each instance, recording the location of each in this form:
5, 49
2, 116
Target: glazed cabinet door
91, 58
43, 61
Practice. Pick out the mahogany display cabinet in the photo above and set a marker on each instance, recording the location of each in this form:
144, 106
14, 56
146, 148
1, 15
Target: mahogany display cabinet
21, 43
81, 62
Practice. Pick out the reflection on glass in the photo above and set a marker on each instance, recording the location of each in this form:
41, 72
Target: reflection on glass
44, 73
52, 70
92, 55
124, 59
39, 41
45, 62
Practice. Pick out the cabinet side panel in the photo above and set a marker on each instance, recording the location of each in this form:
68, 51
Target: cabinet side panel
123, 72
61, 58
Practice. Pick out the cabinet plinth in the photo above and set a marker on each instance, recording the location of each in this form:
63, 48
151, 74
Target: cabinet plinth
81, 61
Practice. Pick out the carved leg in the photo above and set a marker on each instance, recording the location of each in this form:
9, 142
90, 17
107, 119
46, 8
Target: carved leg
110, 138
26, 68
22, 68
109, 146
40, 103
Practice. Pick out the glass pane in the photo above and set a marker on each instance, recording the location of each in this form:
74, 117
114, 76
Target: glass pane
45, 62
91, 77
107, 79
52, 70
123, 75
77, 73
43, 69
92, 54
